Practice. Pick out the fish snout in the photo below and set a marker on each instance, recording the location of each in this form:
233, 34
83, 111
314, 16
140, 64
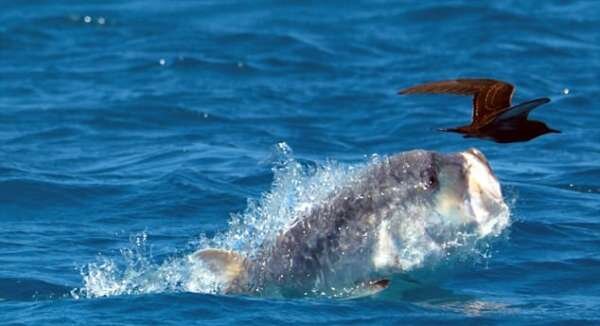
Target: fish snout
480, 177
479, 155
483, 189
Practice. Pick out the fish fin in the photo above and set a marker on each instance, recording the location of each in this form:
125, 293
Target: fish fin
380, 285
369, 288
229, 266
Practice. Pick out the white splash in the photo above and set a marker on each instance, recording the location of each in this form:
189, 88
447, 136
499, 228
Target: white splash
296, 187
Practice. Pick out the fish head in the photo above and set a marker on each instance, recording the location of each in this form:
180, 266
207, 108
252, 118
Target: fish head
450, 202
468, 192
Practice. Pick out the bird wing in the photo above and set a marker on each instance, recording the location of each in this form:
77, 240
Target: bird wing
489, 96
520, 111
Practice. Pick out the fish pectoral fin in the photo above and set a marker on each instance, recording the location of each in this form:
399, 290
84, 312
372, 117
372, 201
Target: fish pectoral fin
380, 285
227, 265
369, 288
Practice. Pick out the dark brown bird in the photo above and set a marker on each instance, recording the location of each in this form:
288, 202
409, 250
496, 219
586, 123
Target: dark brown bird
494, 117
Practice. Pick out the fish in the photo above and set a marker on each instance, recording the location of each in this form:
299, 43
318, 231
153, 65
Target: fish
362, 234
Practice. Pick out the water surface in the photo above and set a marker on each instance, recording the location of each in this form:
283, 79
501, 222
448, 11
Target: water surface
131, 130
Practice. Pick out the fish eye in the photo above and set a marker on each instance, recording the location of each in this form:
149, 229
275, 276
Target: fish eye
430, 177
433, 180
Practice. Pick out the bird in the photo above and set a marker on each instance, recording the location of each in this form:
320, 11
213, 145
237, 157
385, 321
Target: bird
494, 116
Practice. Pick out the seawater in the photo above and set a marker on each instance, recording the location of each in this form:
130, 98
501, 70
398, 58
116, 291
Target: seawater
134, 133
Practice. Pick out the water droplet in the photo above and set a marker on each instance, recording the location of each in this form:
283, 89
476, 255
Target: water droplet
566, 91
162, 62
87, 19
101, 20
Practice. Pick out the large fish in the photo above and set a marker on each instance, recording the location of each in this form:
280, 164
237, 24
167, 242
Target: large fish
375, 226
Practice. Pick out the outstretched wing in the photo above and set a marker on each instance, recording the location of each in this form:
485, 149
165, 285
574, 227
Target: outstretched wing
521, 111
489, 96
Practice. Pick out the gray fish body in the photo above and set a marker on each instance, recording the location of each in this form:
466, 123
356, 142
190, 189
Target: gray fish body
354, 235
332, 242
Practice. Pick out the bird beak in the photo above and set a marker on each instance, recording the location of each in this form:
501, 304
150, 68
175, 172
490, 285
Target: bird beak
555, 131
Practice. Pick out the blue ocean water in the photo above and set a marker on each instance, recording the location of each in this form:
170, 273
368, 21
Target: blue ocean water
133, 131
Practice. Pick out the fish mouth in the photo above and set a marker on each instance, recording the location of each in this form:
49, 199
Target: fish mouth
484, 194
